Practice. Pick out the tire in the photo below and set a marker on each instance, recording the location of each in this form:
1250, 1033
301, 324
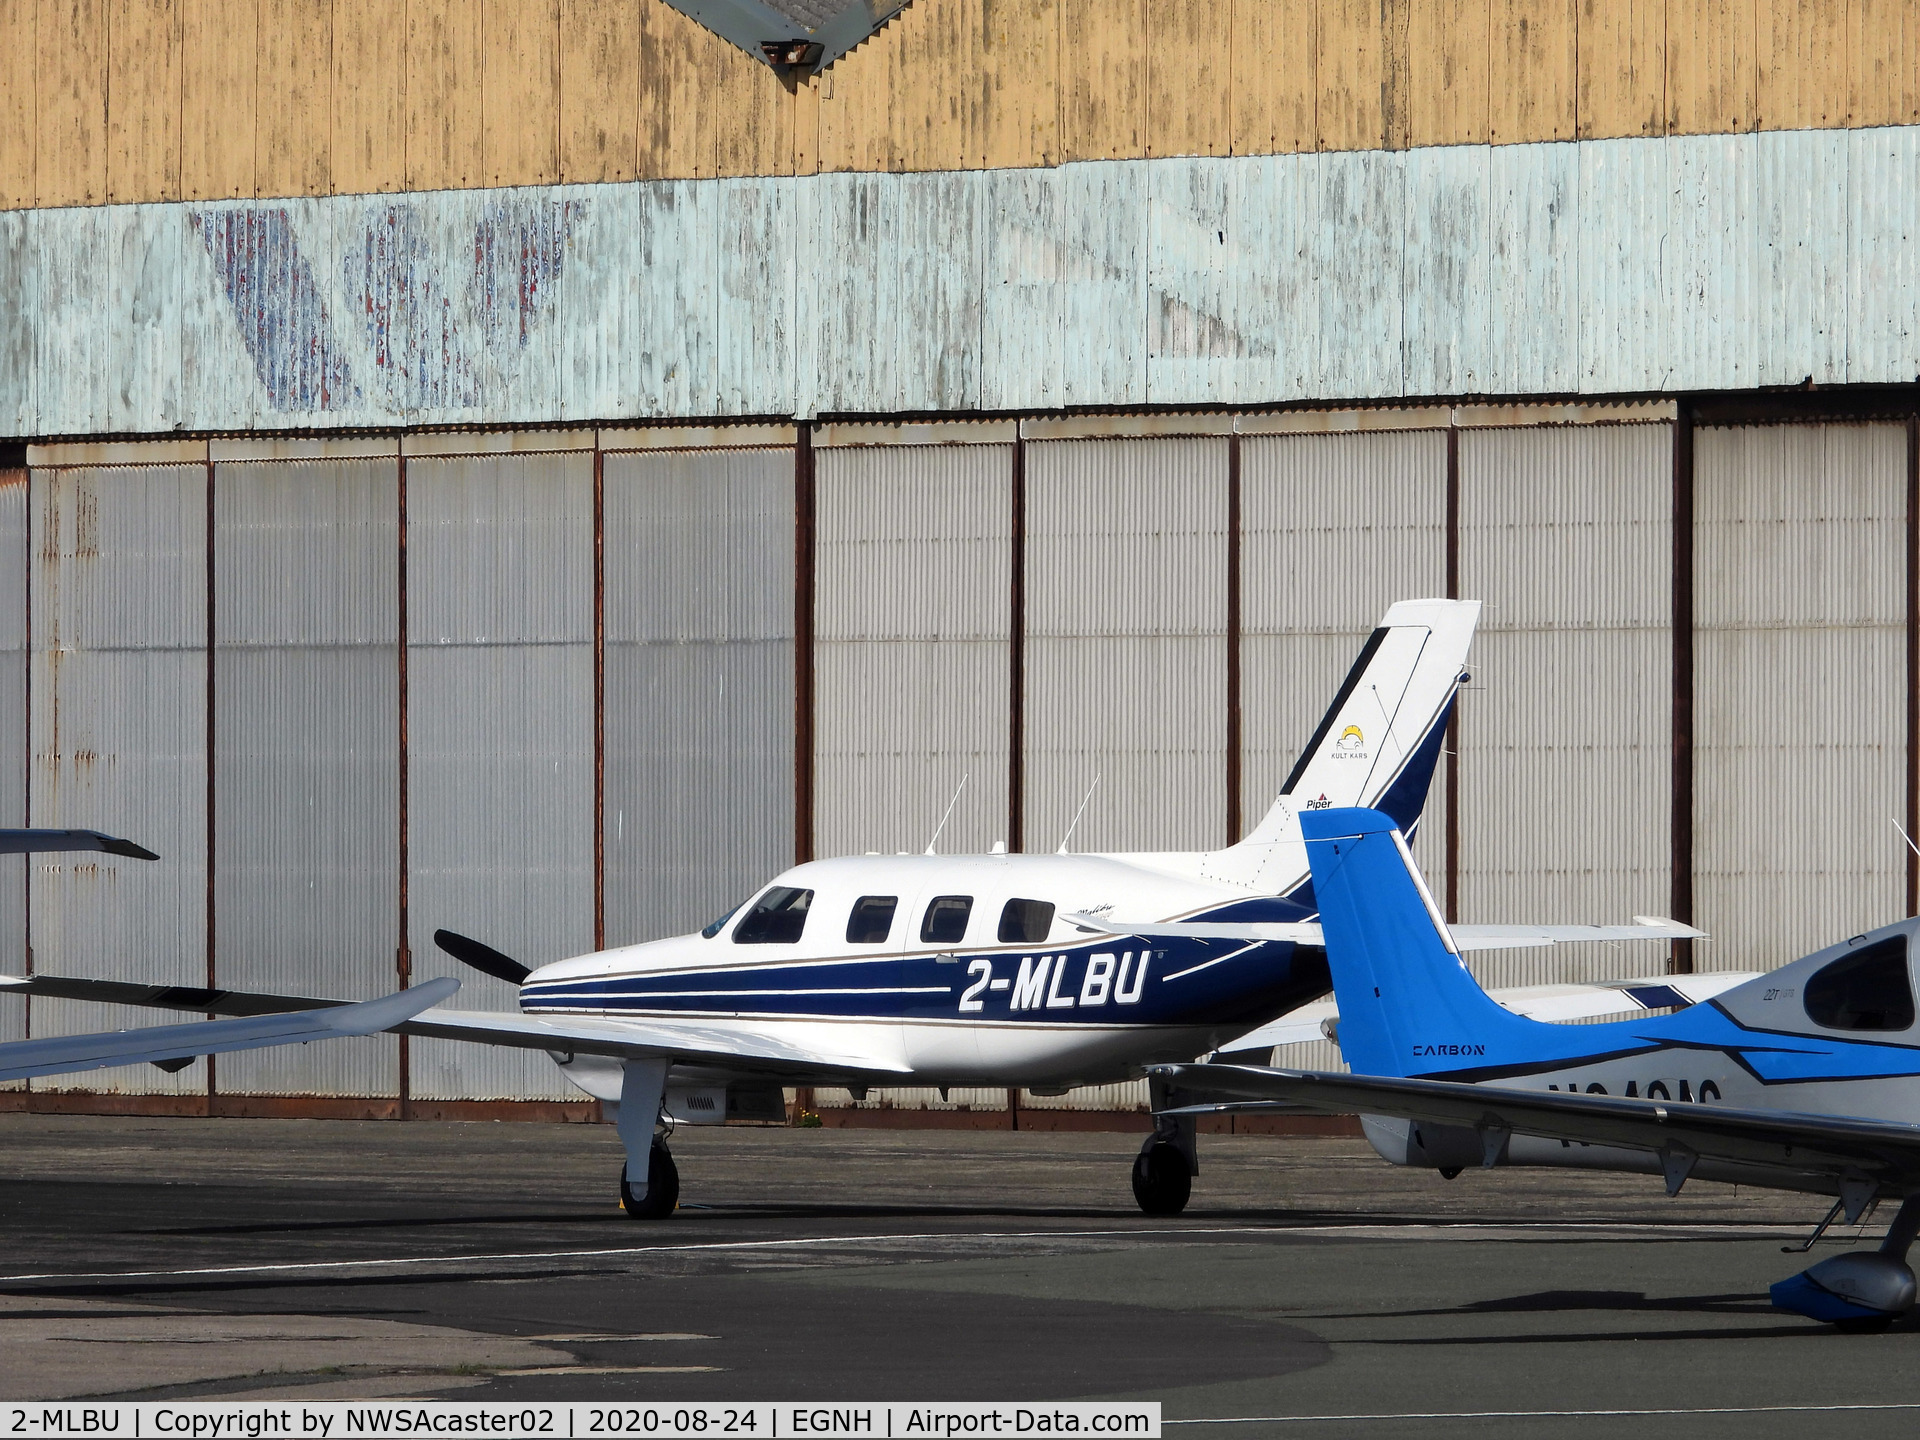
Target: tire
663, 1187
1161, 1183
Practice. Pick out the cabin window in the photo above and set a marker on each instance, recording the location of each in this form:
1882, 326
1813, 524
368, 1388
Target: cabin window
717, 926
946, 919
871, 919
777, 918
1867, 990
1026, 922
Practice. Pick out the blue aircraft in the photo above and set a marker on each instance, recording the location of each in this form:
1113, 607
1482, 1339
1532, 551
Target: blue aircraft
1802, 1079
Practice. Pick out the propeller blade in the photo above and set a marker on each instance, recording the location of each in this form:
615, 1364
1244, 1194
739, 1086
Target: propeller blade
484, 958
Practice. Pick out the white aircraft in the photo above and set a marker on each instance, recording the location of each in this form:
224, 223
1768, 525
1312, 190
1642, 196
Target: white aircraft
988, 970
171, 1047
1806, 1078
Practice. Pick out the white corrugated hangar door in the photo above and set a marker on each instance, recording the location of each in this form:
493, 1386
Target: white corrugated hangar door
13, 764
699, 684
913, 597
1565, 734
118, 741
500, 738
1126, 613
913, 613
306, 755
1800, 687
1334, 529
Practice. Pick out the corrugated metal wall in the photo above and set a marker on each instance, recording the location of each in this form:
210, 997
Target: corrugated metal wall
306, 751
13, 760
1566, 736
1334, 529
500, 736
699, 684
118, 736
1126, 611
913, 584
1800, 687
1596, 267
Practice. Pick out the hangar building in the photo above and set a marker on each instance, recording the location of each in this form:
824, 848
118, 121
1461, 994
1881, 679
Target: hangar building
537, 467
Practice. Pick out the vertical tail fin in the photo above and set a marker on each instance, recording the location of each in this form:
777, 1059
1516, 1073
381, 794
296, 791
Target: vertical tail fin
1408, 1006
1379, 741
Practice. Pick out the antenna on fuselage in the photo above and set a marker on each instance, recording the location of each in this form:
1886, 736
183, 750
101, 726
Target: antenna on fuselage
949, 815
1076, 816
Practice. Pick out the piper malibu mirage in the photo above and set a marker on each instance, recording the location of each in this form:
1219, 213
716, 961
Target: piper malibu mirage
1805, 1078
990, 970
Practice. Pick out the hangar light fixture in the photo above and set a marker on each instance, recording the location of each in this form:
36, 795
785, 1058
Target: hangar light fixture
788, 54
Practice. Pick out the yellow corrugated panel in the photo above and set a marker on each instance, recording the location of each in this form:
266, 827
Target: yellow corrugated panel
1447, 73
753, 133
599, 79
369, 102
1801, 74
19, 107
1710, 66
71, 159
143, 101
1884, 64
806, 127
293, 74
521, 40
1276, 93
669, 100
217, 68
1020, 58
1189, 75
445, 130
1623, 68
1103, 75
855, 131
1354, 75
1531, 64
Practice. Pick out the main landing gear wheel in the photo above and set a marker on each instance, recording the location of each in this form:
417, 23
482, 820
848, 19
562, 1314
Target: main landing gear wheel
663, 1187
1161, 1182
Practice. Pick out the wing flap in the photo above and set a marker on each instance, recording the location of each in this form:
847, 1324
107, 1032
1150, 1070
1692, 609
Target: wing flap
1774, 1139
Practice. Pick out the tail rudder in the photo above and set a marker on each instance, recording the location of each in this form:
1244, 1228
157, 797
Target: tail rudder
1408, 1005
1379, 741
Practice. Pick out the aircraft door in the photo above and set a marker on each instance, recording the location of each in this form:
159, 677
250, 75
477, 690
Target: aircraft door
943, 978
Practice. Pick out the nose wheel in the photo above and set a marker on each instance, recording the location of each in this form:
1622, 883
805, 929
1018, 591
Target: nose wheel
662, 1196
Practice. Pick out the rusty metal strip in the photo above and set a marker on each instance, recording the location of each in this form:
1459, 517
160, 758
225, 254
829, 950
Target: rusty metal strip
599, 699
213, 982
1017, 658
1233, 639
1680, 905
1452, 543
1913, 657
403, 957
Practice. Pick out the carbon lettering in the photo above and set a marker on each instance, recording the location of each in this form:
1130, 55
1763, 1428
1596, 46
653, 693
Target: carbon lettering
1452, 1051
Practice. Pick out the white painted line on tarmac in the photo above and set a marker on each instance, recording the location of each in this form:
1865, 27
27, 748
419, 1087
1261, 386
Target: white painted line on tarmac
1553, 1414
1638, 1231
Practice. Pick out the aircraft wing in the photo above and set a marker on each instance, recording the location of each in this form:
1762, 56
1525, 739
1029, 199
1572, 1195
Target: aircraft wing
1556, 1003
713, 1043
65, 1054
27, 842
1681, 1132
1465, 937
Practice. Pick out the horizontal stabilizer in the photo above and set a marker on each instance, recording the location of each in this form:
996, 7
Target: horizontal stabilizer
165, 1044
1820, 1145
1465, 937
29, 842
